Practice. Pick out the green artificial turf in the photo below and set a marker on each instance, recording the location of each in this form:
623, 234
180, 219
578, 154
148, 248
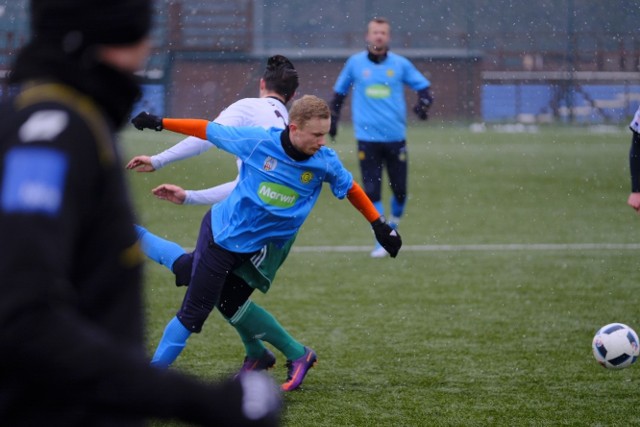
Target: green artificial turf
518, 247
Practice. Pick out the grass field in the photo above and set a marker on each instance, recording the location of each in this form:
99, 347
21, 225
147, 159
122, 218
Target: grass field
461, 329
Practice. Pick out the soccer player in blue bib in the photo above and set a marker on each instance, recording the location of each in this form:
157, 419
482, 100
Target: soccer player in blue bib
254, 324
280, 179
378, 77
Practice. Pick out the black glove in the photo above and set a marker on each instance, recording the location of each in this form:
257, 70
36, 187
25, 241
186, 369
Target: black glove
145, 120
335, 105
388, 238
424, 104
421, 110
333, 129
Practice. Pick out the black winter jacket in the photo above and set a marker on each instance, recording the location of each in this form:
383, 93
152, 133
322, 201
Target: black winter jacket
71, 325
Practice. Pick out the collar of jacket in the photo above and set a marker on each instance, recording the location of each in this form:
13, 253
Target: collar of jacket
113, 91
377, 58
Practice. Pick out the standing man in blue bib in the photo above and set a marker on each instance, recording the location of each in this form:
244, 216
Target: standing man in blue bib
378, 77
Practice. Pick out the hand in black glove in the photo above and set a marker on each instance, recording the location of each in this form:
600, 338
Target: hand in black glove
388, 238
423, 104
333, 129
421, 110
335, 105
145, 120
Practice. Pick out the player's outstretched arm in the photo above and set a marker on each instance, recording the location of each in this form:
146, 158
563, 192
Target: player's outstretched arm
209, 196
141, 164
388, 238
187, 148
172, 193
193, 127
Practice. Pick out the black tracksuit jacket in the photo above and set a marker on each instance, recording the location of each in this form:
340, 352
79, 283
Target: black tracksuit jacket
71, 321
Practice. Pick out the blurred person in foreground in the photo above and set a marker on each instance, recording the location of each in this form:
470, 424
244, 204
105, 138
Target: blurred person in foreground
71, 318
378, 77
253, 323
634, 162
281, 176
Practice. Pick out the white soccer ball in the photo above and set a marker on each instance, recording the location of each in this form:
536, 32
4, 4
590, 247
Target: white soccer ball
615, 346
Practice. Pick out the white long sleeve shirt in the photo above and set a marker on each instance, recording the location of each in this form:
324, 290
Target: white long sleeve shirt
257, 112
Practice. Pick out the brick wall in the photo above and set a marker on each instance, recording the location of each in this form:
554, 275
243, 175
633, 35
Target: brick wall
203, 88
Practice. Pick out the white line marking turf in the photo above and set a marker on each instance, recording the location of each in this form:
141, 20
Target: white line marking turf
485, 247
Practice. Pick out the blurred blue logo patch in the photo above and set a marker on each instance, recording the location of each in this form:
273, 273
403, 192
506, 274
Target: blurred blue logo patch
33, 180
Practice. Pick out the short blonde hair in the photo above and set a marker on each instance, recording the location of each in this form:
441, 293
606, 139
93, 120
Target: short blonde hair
308, 107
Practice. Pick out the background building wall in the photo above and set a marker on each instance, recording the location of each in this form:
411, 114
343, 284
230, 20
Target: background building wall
203, 88
474, 51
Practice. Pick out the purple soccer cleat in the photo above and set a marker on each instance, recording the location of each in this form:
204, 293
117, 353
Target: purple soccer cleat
297, 369
265, 362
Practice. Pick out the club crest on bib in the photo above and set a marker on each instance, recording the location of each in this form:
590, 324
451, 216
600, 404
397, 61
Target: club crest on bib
270, 164
306, 177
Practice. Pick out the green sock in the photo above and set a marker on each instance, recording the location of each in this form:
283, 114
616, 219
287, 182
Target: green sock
253, 347
254, 323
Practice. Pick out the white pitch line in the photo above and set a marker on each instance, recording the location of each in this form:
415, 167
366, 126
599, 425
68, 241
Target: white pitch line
480, 247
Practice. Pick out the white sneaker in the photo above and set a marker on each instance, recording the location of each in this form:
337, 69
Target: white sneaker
378, 252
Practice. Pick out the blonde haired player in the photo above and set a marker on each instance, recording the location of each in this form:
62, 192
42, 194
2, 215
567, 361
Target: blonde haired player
281, 178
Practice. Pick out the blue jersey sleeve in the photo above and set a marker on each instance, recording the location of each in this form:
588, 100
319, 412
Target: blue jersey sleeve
338, 177
345, 78
414, 78
240, 141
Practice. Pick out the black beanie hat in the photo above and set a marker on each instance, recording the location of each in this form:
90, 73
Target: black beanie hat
113, 22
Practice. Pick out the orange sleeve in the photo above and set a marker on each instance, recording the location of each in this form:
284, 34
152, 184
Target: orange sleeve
361, 201
193, 127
